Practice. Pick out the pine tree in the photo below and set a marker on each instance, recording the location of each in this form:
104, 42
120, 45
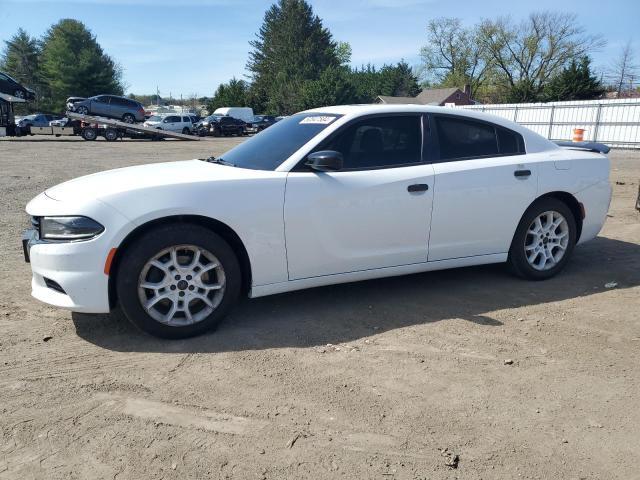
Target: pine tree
73, 63
575, 82
21, 59
232, 94
292, 47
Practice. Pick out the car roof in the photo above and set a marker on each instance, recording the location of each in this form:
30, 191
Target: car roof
534, 142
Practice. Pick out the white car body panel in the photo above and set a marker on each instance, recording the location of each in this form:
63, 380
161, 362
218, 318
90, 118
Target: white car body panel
304, 229
338, 222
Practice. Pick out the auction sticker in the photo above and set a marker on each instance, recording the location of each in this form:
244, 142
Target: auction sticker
318, 120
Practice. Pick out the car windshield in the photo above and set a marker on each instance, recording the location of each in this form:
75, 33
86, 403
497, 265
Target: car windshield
258, 118
278, 142
213, 118
155, 118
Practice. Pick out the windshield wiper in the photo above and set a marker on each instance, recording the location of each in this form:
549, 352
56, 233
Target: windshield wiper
219, 161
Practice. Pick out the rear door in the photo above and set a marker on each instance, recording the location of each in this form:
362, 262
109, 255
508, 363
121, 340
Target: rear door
373, 213
483, 184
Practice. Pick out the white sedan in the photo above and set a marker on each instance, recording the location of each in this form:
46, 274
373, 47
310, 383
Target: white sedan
333, 195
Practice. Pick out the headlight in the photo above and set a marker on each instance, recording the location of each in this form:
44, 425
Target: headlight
69, 228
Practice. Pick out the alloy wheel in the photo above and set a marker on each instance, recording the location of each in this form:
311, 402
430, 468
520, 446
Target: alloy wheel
181, 285
546, 240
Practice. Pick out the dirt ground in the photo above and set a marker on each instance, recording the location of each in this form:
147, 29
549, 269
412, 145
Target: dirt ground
387, 379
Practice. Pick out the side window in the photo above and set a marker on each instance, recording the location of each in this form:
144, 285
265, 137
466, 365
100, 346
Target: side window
173, 119
461, 138
186, 119
509, 143
379, 142
102, 99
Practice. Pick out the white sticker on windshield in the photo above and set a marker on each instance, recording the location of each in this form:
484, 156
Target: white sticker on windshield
318, 120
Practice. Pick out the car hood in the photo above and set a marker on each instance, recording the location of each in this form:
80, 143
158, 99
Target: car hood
136, 180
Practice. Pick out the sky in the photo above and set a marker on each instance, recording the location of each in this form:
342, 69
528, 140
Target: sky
187, 47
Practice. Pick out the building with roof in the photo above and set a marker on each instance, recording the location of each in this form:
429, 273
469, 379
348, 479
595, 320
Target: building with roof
433, 96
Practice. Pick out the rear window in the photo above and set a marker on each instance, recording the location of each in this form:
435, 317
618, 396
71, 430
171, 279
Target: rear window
278, 142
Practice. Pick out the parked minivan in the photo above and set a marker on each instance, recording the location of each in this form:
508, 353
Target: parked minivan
111, 106
243, 113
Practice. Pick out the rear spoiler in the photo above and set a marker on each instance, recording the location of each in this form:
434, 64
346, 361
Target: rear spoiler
591, 146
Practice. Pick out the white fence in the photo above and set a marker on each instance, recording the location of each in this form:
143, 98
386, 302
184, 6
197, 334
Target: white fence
613, 122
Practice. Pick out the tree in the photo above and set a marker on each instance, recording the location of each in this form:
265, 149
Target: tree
529, 54
232, 94
624, 69
398, 81
334, 87
21, 60
575, 82
73, 63
291, 48
453, 56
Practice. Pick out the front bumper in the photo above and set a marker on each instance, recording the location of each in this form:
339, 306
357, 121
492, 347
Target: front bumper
71, 275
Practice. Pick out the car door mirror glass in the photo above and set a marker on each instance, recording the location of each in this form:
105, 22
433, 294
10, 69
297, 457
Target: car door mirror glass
325, 161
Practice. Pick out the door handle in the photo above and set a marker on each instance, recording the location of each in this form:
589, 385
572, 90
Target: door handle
522, 173
418, 187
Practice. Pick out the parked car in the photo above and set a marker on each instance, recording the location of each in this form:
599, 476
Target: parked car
221, 126
242, 113
35, 120
111, 106
12, 87
355, 192
174, 123
260, 122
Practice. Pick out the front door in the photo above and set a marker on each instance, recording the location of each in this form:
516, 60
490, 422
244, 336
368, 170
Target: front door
373, 213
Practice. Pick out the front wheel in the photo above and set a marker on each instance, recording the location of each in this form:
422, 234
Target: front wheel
178, 281
89, 133
82, 110
544, 240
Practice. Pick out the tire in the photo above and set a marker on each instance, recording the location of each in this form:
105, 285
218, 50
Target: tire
82, 110
161, 319
89, 133
544, 253
185, 131
19, 94
128, 118
111, 134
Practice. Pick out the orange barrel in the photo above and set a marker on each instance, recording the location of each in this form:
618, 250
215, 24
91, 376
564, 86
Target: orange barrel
578, 134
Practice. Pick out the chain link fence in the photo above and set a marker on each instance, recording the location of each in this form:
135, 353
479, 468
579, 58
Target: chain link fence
613, 122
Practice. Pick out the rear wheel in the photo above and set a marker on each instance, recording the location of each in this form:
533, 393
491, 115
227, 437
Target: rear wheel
128, 118
544, 240
18, 94
178, 281
111, 134
185, 131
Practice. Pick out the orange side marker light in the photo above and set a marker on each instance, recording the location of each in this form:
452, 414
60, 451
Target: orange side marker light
107, 263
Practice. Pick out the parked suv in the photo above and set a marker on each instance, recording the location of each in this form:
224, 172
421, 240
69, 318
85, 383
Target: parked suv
173, 123
11, 87
218, 126
111, 106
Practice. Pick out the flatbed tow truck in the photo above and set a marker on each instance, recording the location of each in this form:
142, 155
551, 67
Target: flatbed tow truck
89, 127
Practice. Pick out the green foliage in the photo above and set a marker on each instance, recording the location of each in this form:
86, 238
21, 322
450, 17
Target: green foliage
20, 59
292, 47
232, 94
334, 87
576, 82
73, 63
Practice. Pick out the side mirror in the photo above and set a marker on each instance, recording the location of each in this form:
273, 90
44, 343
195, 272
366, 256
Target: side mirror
325, 161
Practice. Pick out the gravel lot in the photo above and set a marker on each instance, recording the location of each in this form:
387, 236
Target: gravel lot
415, 375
